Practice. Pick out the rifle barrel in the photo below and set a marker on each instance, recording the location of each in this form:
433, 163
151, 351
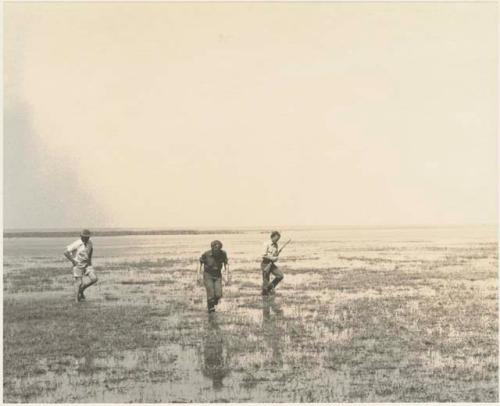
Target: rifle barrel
284, 245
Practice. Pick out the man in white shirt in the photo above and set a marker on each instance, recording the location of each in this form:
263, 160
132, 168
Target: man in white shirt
268, 266
80, 255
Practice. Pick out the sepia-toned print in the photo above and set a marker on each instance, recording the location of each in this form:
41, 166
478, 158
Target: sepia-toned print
268, 202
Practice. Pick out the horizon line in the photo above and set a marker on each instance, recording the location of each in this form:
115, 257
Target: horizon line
257, 227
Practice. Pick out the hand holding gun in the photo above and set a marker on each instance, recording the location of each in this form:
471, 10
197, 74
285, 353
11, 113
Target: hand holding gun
268, 267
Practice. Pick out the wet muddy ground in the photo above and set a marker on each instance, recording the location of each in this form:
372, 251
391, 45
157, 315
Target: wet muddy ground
362, 315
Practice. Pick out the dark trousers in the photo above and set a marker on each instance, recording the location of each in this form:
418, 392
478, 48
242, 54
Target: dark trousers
269, 268
213, 285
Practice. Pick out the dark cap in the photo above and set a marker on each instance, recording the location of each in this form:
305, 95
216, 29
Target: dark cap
85, 233
275, 233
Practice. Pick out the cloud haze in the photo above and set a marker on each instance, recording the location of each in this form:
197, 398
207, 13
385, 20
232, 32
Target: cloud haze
168, 114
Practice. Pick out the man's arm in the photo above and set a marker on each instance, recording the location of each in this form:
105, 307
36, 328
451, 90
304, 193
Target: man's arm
226, 269
70, 251
200, 267
269, 257
69, 256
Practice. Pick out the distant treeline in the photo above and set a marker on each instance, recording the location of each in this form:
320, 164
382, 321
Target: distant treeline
114, 233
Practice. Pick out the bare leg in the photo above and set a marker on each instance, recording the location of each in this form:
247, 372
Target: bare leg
92, 280
77, 287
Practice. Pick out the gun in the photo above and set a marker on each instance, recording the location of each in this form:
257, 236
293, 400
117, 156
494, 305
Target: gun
268, 266
283, 246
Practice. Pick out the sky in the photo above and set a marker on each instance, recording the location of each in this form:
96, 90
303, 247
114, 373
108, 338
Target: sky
241, 114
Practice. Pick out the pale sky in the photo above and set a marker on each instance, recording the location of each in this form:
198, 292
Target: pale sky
220, 114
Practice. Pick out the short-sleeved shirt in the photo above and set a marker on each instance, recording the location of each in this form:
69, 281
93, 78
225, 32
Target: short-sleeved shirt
81, 252
213, 263
270, 249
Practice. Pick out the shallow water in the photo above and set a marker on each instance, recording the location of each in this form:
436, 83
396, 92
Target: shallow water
362, 315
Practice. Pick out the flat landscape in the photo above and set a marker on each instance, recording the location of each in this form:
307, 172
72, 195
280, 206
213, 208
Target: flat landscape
363, 315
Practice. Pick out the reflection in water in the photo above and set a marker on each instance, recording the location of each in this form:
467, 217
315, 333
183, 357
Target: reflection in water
215, 363
86, 364
273, 334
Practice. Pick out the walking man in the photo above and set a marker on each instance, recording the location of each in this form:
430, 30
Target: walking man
212, 261
268, 265
80, 255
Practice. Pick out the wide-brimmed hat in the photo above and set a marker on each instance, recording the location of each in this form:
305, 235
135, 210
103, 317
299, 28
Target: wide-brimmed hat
85, 233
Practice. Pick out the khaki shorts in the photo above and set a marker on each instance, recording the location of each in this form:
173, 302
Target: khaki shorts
80, 273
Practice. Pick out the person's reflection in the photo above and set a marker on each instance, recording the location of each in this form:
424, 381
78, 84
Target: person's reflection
271, 328
215, 357
85, 365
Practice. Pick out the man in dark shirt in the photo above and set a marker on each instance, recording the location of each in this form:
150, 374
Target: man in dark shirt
212, 261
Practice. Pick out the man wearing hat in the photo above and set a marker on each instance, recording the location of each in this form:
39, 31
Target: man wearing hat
80, 255
212, 261
268, 265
